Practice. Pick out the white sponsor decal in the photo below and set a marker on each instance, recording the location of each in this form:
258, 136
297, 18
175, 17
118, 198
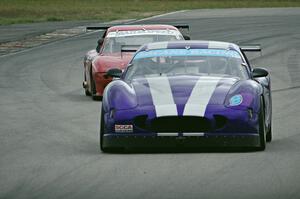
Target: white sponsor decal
201, 93
121, 128
161, 52
143, 32
162, 96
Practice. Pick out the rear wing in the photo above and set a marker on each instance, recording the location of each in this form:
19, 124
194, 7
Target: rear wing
129, 48
184, 29
90, 28
251, 48
180, 27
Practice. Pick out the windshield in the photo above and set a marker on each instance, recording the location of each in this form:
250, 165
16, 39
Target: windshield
114, 44
209, 62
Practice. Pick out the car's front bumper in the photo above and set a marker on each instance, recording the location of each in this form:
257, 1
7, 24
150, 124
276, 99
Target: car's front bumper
180, 140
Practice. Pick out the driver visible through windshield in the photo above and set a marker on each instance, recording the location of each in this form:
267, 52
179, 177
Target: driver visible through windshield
211, 62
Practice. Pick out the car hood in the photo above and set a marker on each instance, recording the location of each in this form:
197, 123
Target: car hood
102, 63
184, 93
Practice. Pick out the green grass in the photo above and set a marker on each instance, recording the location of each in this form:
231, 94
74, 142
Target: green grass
24, 11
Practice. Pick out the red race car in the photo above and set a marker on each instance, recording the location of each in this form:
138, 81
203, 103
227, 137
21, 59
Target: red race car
116, 48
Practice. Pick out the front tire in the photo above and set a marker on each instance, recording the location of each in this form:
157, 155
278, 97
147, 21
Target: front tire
262, 126
269, 135
102, 131
86, 91
93, 89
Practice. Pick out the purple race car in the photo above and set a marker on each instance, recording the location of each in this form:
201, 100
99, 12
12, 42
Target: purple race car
187, 94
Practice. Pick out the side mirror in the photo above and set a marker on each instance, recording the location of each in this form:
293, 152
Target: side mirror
114, 72
259, 72
186, 37
99, 44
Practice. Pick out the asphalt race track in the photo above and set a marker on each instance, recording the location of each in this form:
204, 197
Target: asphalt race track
49, 131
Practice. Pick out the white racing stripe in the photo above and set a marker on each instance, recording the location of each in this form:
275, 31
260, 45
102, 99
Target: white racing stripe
162, 96
167, 134
201, 93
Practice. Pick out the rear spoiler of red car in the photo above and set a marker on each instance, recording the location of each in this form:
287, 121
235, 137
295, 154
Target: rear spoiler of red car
179, 27
251, 48
182, 27
97, 27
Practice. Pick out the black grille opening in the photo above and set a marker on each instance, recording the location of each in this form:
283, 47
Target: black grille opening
220, 121
140, 121
173, 124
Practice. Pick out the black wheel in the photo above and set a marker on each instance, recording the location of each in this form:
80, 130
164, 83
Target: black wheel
86, 91
102, 131
262, 126
269, 134
93, 88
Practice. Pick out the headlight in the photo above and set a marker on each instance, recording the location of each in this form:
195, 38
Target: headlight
235, 100
243, 95
239, 101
